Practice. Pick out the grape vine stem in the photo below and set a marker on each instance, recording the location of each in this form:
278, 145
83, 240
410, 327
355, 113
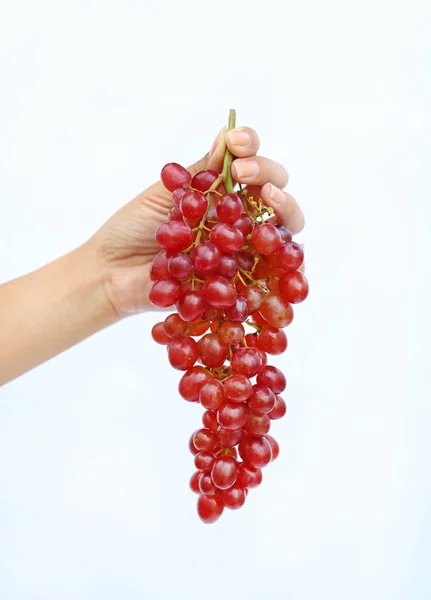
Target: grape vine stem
228, 156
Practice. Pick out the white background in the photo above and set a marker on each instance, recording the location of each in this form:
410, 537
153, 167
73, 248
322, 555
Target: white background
95, 96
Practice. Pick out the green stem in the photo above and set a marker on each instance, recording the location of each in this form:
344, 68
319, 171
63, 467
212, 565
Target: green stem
228, 156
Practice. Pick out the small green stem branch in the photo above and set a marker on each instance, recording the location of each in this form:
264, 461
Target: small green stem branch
228, 156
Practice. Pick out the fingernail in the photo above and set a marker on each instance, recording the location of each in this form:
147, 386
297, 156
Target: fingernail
246, 169
239, 137
276, 195
216, 141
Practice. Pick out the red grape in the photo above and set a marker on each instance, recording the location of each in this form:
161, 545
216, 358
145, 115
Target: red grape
159, 266
174, 176
246, 361
256, 451
211, 394
209, 420
230, 333
228, 438
159, 334
174, 326
229, 208
193, 205
248, 476
205, 440
237, 388
228, 266
232, 415
182, 353
261, 400
275, 448
272, 378
180, 266
212, 351
224, 471
178, 195
204, 461
165, 292
226, 237
191, 383
244, 224
273, 341
279, 409
234, 497
239, 311
266, 238
207, 258
294, 287
210, 508
257, 425
219, 292
276, 311
206, 485
190, 305
174, 235
203, 180
290, 256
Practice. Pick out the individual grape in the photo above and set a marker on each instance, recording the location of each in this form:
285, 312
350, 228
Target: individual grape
192, 381
256, 451
285, 233
210, 508
190, 305
192, 447
290, 256
257, 425
229, 208
246, 361
178, 195
228, 438
261, 400
275, 448
245, 260
194, 482
175, 214
180, 266
257, 319
272, 340
273, 378
159, 266
204, 461
263, 355
219, 292
266, 238
174, 326
239, 311
206, 485
228, 266
251, 340
209, 420
205, 440
207, 257
198, 328
212, 351
231, 333
227, 238
244, 224
174, 235
232, 415
276, 311
273, 283
182, 353
237, 388
253, 295
294, 287
248, 476
211, 394
193, 205
279, 409
203, 180
174, 176
234, 497
165, 292
159, 334
212, 314
224, 471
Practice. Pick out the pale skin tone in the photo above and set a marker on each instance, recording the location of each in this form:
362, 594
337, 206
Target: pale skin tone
107, 278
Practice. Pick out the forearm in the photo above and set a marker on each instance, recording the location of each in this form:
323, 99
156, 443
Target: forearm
50, 310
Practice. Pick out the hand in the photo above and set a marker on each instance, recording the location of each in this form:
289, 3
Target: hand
125, 245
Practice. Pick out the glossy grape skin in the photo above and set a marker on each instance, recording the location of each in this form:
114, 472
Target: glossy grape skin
234, 497
203, 180
285, 233
219, 292
182, 353
209, 420
212, 351
174, 326
237, 388
276, 311
261, 400
239, 311
229, 208
273, 341
257, 425
159, 334
207, 258
190, 305
194, 482
210, 508
251, 340
228, 266
246, 361
175, 214
253, 295
212, 314
212, 395
191, 383
228, 438
266, 238
273, 378
290, 256
159, 267
165, 292
198, 328
256, 451
294, 287
248, 476
174, 235
227, 238
231, 333
180, 266
232, 415
224, 471
204, 461
174, 176
177, 196
275, 448
193, 205
245, 260
244, 224
192, 447
205, 440
206, 485
279, 409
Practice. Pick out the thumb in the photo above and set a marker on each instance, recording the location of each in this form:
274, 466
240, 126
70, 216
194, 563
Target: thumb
214, 158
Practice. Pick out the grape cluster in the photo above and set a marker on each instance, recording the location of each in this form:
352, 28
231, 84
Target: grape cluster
232, 277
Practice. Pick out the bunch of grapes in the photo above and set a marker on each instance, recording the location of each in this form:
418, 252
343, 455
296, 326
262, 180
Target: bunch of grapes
233, 277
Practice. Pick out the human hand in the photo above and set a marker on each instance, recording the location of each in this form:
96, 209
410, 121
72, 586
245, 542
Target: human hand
125, 245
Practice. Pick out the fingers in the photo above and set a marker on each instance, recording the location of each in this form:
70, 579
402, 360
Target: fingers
242, 142
258, 171
285, 207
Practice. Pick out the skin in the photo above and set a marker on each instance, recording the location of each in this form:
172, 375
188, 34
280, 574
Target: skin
107, 279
